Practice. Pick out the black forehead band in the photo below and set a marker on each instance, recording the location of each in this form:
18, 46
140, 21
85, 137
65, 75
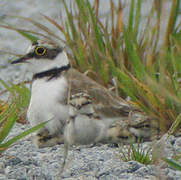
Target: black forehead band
50, 54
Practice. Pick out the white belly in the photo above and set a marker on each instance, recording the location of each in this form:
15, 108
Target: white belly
48, 103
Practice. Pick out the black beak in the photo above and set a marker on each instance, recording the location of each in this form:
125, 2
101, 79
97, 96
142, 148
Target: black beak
21, 59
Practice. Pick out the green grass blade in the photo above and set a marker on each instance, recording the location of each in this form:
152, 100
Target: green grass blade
124, 156
137, 18
23, 93
176, 125
4, 114
133, 57
174, 12
24, 30
172, 163
39, 26
8, 124
131, 16
6, 86
28, 36
70, 22
83, 10
98, 34
21, 135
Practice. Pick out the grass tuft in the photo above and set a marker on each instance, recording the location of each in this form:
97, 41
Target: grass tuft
135, 152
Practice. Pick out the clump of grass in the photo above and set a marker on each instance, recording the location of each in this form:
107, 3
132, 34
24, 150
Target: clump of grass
135, 152
133, 57
11, 111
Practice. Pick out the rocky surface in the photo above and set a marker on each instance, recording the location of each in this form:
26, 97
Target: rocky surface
24, 161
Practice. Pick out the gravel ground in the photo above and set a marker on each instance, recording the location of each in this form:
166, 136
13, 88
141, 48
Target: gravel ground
24, 161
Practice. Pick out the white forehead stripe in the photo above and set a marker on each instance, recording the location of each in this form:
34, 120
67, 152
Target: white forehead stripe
30, 48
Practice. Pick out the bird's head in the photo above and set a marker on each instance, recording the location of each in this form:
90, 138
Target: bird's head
43, 56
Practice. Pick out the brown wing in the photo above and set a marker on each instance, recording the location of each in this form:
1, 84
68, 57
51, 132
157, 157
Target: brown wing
104, 102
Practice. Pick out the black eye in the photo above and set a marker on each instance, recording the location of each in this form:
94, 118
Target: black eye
40, 51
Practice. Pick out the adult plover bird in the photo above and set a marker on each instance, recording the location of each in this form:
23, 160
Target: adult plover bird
56, 87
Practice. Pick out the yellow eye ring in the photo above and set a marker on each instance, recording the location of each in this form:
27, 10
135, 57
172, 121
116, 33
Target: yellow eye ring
40, 51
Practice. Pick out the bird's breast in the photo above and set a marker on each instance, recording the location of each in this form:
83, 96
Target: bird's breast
48, 101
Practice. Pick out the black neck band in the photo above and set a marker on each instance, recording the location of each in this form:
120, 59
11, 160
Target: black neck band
52, 73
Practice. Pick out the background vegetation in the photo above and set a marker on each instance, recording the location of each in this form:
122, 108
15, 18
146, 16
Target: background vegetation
145, 68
